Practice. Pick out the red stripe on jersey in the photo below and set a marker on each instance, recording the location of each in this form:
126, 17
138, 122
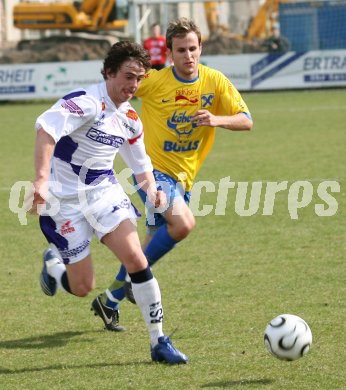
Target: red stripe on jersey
133, 140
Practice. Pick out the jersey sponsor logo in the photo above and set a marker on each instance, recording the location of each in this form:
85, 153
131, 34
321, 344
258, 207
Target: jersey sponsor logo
71, 106
104, 138
132, 115
66, 228
181, 124
128, 127
124, 204
170, 146
181, 117
188, 92
186, 97
66, 253
207, 100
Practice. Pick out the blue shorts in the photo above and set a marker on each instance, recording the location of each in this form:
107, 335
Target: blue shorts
172, 189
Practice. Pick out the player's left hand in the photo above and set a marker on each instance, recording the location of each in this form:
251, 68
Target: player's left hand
161, 199
205, 118
156, 197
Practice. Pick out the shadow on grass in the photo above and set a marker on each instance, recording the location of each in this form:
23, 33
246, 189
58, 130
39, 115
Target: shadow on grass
55, 340
8, 371
241, 382
59, 339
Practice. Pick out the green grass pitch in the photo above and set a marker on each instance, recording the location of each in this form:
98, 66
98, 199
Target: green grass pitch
220, 286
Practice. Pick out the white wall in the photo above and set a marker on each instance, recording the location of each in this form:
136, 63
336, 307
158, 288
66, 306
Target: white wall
12, 34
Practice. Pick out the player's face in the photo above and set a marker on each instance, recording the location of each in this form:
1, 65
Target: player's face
185, 55
121, 86
156, 31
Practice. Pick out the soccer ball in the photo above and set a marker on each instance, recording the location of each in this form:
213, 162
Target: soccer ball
288, 337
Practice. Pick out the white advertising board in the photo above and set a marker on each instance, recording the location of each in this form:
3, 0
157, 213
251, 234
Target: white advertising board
290, 70
46, 80
248, 72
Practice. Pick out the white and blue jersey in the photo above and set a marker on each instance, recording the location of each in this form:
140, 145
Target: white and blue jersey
89, 130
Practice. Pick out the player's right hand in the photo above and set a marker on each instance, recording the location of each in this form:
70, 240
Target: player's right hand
38, 196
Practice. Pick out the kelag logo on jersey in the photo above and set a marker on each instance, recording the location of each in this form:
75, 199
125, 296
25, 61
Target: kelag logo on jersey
182, 126
104, 138
186, 97
186, 100
207, 100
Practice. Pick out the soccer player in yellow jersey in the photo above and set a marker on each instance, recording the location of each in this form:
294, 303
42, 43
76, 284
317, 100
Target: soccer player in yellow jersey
181, 106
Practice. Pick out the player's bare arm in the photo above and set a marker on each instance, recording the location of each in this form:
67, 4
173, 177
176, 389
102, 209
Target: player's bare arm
44, 148
231, 122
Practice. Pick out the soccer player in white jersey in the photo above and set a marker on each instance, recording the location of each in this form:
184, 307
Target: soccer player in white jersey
78, 196
181, 107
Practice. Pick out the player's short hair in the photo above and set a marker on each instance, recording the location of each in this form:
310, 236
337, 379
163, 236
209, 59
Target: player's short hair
179, 28
124, 51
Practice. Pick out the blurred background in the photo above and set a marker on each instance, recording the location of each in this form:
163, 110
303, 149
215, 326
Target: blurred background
86, 28
257, 44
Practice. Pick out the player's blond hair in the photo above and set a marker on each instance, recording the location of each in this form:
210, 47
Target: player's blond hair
179, 28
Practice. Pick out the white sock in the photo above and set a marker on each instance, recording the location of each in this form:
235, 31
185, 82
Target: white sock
55, 269
148, 298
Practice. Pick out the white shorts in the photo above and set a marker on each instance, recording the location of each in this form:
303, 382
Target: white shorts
97, 211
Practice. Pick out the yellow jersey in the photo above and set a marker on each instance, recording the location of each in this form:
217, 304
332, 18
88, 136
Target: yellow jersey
176, 145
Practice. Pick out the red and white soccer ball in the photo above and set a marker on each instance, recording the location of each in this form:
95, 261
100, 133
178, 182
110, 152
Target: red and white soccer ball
288, 337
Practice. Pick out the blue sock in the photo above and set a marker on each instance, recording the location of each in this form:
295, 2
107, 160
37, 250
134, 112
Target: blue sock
121, 274
116, 289
160, 244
